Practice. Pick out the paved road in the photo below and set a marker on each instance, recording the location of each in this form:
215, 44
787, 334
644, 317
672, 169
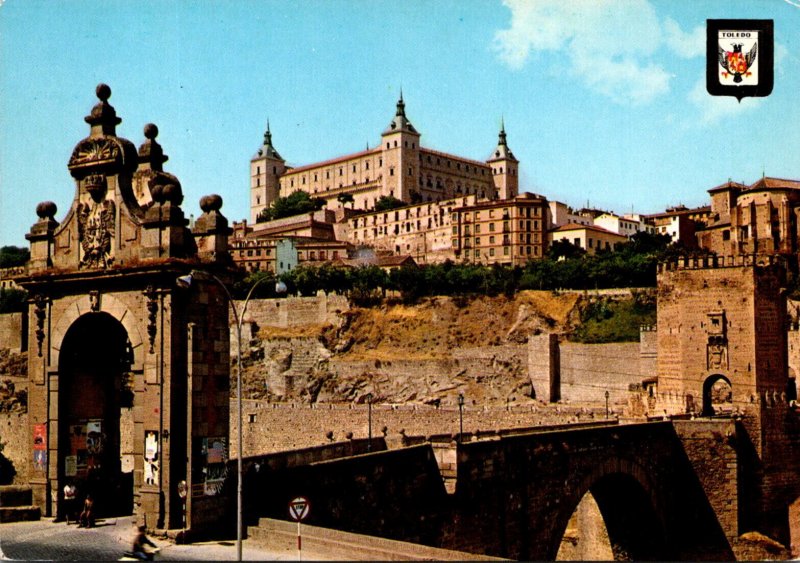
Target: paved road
46, 540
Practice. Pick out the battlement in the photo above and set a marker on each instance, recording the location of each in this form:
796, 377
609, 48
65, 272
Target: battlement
713, 261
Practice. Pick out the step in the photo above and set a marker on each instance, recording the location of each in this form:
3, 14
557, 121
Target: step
19, 514
15, 495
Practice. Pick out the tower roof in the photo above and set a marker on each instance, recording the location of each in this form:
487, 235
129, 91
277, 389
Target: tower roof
502, 152
267, 150
400, 121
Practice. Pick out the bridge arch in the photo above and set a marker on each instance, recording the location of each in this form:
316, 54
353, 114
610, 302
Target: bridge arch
624, 494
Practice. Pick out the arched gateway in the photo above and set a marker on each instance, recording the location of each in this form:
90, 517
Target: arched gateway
128, 375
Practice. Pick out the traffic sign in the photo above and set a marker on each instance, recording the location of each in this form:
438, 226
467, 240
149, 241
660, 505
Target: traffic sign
299, 508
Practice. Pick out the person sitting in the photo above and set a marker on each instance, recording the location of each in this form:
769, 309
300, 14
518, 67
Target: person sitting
139, 550
86, 519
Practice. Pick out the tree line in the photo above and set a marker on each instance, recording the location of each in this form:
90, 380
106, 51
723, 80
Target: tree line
631, 264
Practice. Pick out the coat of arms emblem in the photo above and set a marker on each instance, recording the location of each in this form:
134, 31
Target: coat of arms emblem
739, 58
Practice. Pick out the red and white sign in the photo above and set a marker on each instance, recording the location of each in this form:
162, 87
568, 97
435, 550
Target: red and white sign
299, 508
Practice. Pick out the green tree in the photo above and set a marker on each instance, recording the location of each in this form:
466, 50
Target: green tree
296, 203
346, 198
13, 256
563, 247
387, 202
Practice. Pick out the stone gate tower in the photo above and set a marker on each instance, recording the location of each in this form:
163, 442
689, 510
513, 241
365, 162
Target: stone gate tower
128, 374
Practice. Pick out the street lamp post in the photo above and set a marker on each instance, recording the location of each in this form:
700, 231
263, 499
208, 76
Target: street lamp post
369, 421
606, 403
185, 282
460, 417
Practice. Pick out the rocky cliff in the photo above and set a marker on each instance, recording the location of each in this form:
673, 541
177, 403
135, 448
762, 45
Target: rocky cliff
426, 353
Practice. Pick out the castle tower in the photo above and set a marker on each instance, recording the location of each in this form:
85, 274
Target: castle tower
266, 168
400, 147
504, 168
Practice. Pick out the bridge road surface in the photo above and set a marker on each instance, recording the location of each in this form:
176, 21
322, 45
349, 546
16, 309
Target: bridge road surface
48, 540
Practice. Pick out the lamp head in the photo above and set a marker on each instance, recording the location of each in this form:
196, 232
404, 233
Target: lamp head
280, 287
184, 282
461, 399
368, 396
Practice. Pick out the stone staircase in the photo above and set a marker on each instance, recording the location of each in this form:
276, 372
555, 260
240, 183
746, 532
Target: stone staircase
16, 504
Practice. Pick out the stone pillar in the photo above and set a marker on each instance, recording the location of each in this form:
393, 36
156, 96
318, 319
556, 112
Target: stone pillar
211, 230
544, 366
41, 237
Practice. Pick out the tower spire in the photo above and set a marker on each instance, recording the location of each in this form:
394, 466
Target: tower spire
266, 148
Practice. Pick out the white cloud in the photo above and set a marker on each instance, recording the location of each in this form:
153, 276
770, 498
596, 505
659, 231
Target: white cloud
685, 45
713, 109
612, 45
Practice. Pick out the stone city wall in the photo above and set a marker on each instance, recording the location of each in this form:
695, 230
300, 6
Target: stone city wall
13, 327
15, 448
273, 427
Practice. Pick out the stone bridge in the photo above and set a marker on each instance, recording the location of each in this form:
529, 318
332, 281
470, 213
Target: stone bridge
680, 489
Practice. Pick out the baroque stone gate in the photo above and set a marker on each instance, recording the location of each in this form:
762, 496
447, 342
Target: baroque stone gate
128, 374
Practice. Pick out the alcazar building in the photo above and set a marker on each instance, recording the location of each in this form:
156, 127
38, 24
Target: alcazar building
400, 167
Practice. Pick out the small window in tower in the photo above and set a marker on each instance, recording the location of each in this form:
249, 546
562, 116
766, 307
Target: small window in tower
258, 181
258, 170
327, 174
258, 200
391, 171
340, 171
292, 183
354, 168
380, 162
395, 144
274, 170
387, 145
410, 171
366, 165
405, 144
315, 177
413, 145
304, 180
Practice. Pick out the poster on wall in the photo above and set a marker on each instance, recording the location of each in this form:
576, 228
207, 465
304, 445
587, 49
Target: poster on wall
71, 465
40, 447
151, 457
211, 469
40, 460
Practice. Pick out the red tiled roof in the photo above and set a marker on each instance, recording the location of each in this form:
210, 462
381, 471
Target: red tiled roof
775, 183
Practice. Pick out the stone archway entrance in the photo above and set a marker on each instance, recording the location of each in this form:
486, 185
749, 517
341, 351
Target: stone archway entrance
717, 395
95, 431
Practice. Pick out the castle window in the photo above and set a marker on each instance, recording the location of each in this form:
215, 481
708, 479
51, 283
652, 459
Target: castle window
340, 171
380, 162
274, 170
505, 251
726, 235
291, 183
477, 229
366, 165
410, 171
491, 225
413, 145
258, 170
391, 171
491, 240
491, 252
395, 144
304, 180
315, 177
354, 168
405, 144
258, 200
387, 145
327, 174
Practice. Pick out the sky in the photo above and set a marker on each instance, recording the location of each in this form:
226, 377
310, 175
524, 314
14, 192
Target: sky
604, 102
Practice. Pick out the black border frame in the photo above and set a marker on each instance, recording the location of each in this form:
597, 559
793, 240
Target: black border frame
766, 50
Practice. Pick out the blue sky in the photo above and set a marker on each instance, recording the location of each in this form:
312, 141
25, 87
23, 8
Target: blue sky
604, 102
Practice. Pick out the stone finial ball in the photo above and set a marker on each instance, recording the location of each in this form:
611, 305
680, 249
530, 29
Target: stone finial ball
157, 193
173, 193
151, 131
209, 203
103, 91
46, 210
